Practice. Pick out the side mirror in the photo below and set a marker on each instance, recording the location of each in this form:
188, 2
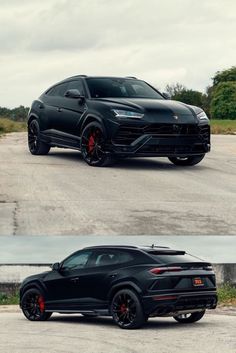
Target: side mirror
56, 266
166, 95
73, 93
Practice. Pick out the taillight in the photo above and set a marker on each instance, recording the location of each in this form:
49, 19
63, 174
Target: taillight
160, 270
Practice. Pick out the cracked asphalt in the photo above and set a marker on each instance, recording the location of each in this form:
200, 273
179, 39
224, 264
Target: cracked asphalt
62, 333
59, 194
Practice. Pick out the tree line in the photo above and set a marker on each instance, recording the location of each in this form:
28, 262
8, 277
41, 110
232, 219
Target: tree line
219, 101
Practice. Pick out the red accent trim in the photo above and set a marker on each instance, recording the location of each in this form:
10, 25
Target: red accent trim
123, 308
91, 143
165, 297
159, 270
41, 303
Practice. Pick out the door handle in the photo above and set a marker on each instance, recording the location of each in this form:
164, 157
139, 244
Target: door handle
75, 279
59, 110
113, 275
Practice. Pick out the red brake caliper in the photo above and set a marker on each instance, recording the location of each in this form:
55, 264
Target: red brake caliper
91, 143
41, 304
123, 308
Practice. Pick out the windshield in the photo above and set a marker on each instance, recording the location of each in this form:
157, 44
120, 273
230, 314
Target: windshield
120, 88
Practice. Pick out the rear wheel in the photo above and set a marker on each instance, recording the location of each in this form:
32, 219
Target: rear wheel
126, 310
189, 318
33, 306
36, 145
187, 161
93, 146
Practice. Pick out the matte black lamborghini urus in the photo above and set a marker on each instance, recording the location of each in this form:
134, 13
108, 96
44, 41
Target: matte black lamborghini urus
110, 117
128, 283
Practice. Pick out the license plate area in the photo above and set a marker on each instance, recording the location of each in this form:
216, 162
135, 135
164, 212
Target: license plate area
198, 282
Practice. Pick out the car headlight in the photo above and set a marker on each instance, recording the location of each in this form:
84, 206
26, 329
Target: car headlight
127, 114
202, 116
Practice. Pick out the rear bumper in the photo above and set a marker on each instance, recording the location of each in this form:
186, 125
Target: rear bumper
174, 303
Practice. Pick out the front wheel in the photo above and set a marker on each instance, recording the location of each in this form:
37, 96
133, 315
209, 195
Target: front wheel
187, 161
189, 318
93, 147
36, 145
33, 306
126, 310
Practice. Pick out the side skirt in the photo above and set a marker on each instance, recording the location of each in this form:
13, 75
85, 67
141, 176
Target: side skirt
57, 138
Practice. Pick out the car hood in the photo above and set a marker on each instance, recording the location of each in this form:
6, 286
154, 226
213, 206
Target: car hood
153, 105
156, 107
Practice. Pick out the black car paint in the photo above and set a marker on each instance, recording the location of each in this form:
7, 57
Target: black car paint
91, 289
62, 120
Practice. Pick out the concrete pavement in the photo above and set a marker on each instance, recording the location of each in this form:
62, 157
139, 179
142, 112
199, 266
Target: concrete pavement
59, 194
72, 334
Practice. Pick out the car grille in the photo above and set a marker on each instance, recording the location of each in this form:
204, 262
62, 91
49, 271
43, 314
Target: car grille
129, 133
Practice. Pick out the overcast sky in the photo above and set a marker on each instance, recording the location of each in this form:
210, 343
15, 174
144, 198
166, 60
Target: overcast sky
160, 41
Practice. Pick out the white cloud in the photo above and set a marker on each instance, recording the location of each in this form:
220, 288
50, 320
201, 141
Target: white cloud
43, 41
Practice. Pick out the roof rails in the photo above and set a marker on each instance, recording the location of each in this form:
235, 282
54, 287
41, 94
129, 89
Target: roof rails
131, 77
111, 246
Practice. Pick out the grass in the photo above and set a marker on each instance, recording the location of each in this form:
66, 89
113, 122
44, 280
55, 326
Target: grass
227, 295
225, 127
9, 299
7, 125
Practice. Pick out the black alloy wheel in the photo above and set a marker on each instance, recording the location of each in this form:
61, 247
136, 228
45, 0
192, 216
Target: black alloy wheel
33, 306
190, 317
187, 161
36, 146
93, 146
127, 310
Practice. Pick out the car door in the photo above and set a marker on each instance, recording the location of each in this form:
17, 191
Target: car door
63, 286
50, 107
71, 109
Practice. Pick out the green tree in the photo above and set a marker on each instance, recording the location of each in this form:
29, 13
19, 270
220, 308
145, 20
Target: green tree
223, 94
223, 103
180, 93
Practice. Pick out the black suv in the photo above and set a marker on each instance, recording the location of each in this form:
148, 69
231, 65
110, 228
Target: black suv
126, 282
110, 117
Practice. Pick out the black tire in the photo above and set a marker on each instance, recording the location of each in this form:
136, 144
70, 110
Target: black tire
187, 161
35, 144
126, 310
190, 318
93, 146
33, 306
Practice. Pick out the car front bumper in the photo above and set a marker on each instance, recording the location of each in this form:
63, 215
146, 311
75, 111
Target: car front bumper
161, 140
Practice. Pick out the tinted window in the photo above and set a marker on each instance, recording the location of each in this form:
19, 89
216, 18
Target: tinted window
165, 258
120, 88
111, 257
58, 90
77, 260
77, 84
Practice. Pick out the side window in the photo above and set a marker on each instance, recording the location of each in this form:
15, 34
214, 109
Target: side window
77, 260
77, 84
112, 257
58, 90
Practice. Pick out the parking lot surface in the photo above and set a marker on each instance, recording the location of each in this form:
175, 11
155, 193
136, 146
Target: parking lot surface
63, 334
59, 194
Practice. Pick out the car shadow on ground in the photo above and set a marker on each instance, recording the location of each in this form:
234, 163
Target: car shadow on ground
137, 163
152, 324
